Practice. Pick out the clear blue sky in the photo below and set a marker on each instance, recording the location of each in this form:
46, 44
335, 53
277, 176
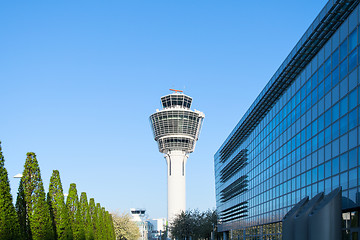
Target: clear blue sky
79, 79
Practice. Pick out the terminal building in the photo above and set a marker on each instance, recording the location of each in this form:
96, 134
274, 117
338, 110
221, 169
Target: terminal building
158, 228
300, 136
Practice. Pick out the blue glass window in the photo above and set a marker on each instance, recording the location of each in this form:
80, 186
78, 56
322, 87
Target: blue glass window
327, 169
314, 174
314, 97
343, 68
327, 185
303, 180
352, 119
353, 158
343, 49
321, 172
327, 66
321, 123
297, 98
314, 142
314, 126
308, 146
308, 177
344, 162
321, 186
314, 80
335, 94
327, 83
335, 181
298, 182
335, 166
335, 130
321, 73
327, 135
303, 93
352, 60
327, 117
335, 112
352, 40
321, 139
343, 125
308, 102
302, 136
353, 138
352, 99
308, 86
335, 58
335, 76
297, 142
352, 178
343, 106
344, 180
321, 90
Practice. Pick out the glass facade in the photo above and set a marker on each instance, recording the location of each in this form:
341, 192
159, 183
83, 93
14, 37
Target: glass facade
302, 142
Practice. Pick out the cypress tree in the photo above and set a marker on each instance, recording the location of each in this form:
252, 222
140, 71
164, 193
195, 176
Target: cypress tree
84, 212
92, 213
20, 206
112, 229
9, 224
109, 226
98, 232
58, 210
102, 223
106, 224
72, 204
36, 207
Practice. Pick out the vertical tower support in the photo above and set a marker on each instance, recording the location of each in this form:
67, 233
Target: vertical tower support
176, 189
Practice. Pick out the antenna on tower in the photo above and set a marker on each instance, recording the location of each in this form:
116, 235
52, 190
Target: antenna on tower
176, 91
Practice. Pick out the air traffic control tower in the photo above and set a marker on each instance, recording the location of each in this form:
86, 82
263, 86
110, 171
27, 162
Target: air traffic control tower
176, 129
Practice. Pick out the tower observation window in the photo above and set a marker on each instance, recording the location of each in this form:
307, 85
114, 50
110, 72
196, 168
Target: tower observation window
176, 100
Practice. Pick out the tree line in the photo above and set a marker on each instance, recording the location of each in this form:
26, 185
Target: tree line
40, 216
194, 224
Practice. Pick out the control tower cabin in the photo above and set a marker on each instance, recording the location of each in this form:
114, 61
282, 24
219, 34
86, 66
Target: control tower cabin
176, 129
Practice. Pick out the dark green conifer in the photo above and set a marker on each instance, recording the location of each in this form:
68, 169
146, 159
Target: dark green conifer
36, 207
58, 210
113, 236
106, 224
102, 223
109, 226
99, 222
92, 213
9, 224
20, 206
84, 212
72, 204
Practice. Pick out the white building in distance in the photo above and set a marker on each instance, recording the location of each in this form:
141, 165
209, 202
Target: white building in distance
138, 216
158, 228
